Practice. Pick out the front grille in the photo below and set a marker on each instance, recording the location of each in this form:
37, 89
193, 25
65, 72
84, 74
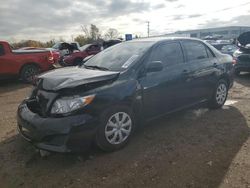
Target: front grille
34, 106
56, 140
40, 102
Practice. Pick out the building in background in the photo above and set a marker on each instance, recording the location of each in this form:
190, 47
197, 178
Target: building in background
229, 32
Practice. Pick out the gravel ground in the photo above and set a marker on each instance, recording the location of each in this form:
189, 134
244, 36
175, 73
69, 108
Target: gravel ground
194, 148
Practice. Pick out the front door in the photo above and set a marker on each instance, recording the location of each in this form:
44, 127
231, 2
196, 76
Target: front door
4, 67
163, 91
8, 66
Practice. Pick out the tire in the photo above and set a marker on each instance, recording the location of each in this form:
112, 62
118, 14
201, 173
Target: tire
220, 95
28, 72
77, 61
112, 135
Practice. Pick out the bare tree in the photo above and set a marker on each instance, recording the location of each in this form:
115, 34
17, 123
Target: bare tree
112, 34
92, 32
86, 31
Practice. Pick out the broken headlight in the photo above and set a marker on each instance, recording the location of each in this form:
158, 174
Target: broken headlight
68, 104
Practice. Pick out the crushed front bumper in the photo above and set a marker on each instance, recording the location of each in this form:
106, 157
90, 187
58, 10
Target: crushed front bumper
64, 134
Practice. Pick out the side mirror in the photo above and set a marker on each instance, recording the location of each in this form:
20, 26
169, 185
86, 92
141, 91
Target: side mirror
155, 66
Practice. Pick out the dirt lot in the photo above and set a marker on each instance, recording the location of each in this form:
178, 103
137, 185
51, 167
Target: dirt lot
195, 148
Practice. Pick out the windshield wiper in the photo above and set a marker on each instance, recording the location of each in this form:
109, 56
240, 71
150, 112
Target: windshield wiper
96, 67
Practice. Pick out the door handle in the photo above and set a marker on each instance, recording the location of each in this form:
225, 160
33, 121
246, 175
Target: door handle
215, 64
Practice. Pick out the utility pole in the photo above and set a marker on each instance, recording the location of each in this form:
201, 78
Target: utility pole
148, 27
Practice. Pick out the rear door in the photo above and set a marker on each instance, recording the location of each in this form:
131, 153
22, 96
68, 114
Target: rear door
163, 91
202, 68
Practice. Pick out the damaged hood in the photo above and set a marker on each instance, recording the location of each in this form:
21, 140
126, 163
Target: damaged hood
244, 39
71, 77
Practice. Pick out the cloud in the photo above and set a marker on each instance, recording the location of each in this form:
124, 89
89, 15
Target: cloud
180, 6
158, 6
194, 15
122, 7
178, 17
46, 19
33, 18
243, 20
213, 23
138, 21
171, 1
40, 17
182, 16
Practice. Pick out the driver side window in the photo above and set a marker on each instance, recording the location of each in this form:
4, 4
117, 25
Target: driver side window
1, 50
168, 53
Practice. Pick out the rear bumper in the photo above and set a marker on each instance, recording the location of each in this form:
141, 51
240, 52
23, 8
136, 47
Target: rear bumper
66, 134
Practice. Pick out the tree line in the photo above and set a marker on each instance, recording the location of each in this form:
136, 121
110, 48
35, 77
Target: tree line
89, 34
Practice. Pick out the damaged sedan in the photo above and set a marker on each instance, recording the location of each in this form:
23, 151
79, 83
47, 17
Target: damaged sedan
104, 100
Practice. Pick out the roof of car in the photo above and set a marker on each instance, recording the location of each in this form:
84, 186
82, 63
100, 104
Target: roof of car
157, 39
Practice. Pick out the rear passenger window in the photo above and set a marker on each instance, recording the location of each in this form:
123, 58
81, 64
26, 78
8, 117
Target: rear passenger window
168, 54
1, 49
194, 50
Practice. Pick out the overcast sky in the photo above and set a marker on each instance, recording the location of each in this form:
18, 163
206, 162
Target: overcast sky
47, 19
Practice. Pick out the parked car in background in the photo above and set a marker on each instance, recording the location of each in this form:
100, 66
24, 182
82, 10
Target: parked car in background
219, 46
224, 46
77, 57
103, 100
65, 48
24, 64
108, 43
229, 49
242, 55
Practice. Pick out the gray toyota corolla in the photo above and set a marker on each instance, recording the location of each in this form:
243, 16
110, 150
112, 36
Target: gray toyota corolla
103, 100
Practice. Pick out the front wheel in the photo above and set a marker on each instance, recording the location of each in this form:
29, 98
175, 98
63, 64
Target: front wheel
220, 95
115, 129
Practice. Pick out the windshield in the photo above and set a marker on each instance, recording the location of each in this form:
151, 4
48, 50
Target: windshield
120, 56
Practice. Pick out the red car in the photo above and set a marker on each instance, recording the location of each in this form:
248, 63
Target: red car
76, 58
24, 64
56, 54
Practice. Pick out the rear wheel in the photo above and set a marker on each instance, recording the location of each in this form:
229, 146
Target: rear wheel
220, 95
115, 129
28, 73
